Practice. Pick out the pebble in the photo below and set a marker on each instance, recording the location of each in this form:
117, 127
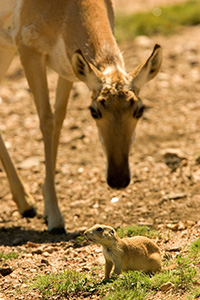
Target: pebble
166, 286
114, 200
174, 249
50, 250
37, 251
46, 254
31, 244
45, 261
29, 163
178, 226
174, 196
4, 271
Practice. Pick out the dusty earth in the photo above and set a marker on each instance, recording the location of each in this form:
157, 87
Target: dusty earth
165, 189
126, 6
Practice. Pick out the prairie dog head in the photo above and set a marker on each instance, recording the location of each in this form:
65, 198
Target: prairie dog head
101, 234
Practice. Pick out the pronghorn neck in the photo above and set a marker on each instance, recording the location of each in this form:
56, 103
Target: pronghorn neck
100, 47
108, 59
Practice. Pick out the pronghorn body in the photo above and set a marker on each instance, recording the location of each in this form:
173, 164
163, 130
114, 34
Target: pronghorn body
75, 38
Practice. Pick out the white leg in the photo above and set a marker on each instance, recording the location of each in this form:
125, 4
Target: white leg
35, 70
62, 96
23, 199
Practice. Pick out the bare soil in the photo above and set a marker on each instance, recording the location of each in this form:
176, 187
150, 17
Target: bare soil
126, 6
165, 189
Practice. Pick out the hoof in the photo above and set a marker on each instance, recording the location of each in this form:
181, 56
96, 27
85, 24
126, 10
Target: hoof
30, 213
59, 230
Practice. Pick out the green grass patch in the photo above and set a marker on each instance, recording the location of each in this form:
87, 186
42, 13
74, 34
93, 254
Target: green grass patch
130, 231
63, 284
130, 285
8, 256
162, 20
194, 249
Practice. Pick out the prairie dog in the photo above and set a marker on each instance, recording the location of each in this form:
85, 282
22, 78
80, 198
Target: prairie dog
135, 253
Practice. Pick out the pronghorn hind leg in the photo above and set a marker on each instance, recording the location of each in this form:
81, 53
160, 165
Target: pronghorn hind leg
22, 198
35, 69
62, 96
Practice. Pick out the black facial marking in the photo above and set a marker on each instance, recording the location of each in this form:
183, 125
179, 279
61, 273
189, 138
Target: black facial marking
96, 114
80, 67
152, 71
131, 101
103, 102
138, 109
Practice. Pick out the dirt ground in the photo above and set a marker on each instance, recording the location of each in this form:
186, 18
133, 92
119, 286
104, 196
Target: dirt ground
165, 162
133, 6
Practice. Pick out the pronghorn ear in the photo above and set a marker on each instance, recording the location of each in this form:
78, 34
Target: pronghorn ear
148, 69
85, 71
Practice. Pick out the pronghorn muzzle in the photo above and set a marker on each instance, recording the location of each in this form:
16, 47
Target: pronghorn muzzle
118, 175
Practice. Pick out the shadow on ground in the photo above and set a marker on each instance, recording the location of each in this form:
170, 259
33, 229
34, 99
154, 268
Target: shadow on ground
14, 236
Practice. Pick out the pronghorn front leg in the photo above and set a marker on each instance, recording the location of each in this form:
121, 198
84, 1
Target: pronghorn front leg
35, 69
62, 96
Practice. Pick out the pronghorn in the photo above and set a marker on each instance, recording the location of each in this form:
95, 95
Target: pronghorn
75, 39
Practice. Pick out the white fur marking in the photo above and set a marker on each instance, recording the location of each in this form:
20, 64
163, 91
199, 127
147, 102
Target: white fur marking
59, 62
108, 70
16, 18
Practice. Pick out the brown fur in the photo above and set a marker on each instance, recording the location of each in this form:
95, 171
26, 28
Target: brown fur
135, 253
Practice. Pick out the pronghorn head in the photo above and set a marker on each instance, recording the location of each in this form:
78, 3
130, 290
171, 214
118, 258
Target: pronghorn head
116, 108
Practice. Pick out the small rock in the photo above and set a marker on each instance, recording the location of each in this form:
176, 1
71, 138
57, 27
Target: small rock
178, 226
46, 254
31, 244
173, 196
96, 205
4, 271
174, 249
50, 250
37, 251
33, 270
114, 200
166, 287
29, 163
45, 261
174, 158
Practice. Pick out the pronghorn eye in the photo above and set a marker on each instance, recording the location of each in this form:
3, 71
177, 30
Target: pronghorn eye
99, 229
138, 111
96, 114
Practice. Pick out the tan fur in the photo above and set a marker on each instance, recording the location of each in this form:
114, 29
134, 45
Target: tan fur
74, 38
135, 253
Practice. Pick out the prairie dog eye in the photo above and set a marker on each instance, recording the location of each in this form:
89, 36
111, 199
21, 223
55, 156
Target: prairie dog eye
99, 229
96, 114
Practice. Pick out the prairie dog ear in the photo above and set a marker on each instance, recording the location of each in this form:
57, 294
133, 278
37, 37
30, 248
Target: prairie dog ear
149, 69
85, 71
